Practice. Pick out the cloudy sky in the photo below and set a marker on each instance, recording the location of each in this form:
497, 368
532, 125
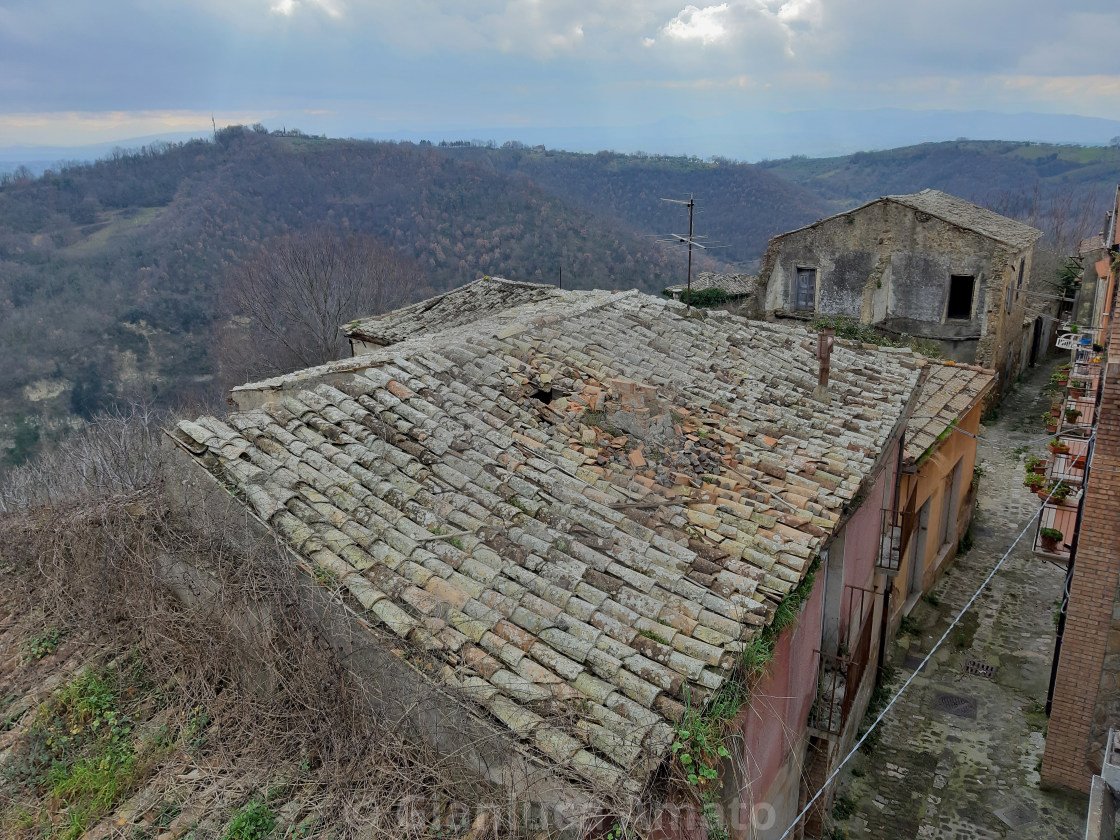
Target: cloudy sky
74, 72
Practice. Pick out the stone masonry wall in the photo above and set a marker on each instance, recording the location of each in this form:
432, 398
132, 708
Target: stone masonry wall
1087, 690
890, 265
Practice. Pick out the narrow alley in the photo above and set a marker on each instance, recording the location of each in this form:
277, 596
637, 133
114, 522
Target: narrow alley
959, 754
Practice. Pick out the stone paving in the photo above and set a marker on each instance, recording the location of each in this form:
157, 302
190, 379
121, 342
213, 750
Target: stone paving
959, 754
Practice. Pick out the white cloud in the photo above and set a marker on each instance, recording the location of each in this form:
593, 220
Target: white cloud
287, 8
707, 25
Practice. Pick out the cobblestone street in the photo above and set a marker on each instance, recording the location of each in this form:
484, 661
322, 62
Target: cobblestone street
959, 754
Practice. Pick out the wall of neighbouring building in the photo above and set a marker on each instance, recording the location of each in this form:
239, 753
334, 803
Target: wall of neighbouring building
1086, 697
889, 265
932, 482
770, 769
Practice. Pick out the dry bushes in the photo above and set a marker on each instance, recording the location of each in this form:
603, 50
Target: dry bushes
237, 649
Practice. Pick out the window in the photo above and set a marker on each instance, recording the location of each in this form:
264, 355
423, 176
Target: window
960, 297
805, 290
1019, 285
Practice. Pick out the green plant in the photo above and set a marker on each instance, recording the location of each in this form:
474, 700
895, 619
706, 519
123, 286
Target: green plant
1059, 491
909, 626
698, 746
844, 807
649, 634
932, 599
1033, 463
1034, 480
517, 503
254, 821
1051, 534
40, 645
964, 545
81, 750
1072, 414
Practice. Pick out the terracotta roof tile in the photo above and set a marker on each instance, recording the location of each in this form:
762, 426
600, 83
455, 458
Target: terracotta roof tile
575, 583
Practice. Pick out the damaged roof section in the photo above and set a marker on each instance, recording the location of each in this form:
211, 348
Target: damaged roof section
463, 305
582, 507
949, 392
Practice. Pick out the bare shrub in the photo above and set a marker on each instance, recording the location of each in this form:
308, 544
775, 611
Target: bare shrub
238, 645
116, 452
290, 300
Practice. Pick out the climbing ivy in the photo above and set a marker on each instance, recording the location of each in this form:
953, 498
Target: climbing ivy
699, 742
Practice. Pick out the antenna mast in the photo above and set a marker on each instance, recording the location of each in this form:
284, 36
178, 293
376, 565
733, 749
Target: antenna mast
689, 240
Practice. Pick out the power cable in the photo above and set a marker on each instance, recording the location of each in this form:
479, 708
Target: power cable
910, 679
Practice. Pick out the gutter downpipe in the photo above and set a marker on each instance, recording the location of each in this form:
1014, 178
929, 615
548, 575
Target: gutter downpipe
1069, 582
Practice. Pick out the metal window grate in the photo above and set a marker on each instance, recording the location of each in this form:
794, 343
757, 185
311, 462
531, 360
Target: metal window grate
979, 669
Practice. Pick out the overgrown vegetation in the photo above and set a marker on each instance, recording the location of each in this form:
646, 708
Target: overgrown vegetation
80, 752
699, 745
853, 330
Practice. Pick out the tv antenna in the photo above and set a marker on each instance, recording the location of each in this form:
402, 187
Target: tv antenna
689, 240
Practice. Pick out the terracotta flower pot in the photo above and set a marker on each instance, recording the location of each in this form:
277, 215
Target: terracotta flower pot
1058, 450
1049, 544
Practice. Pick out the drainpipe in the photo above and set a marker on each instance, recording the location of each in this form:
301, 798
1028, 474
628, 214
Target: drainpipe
888, 583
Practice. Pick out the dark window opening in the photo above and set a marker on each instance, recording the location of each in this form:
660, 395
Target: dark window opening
1019, 286
805, 290
960, 297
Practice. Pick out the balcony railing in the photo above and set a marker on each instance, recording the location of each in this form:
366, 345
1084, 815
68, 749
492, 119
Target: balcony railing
842, 673
890, 542
1069, 467
1059, 517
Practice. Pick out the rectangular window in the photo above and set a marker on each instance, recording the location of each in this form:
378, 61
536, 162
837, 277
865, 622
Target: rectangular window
805, 290
1019, 285
960, 297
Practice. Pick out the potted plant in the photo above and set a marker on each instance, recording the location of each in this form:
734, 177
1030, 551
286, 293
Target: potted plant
1051, 423
1050, 538
1058, 446
1059, 492
1097, 348
1036, 465
1076, 388
1060, 377
1034, 482
1072, 414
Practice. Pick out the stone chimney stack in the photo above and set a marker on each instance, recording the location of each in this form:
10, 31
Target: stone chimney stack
825, 339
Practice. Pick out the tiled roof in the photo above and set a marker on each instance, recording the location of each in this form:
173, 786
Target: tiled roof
460, 306
949, 392
968, 215
582, 507
735, 284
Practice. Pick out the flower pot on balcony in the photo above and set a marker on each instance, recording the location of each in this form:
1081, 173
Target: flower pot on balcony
1078, 462
1048, 540
1052, 427
1056, 447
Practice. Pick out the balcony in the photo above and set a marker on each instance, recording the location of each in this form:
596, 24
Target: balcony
1069, 467
1058, 517
841, 673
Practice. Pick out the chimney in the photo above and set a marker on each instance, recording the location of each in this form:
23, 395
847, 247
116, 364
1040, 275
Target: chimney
825, 339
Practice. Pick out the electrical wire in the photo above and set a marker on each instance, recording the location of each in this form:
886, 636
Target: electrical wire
910, 679
999, 445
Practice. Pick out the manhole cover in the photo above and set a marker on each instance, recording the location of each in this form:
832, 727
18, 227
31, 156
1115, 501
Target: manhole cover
954, 704
979, 669
1017, 815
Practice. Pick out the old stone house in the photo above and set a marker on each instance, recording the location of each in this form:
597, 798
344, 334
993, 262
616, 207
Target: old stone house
563, 522
927, 264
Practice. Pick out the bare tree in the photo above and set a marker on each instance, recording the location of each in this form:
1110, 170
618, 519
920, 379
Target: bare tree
290, 300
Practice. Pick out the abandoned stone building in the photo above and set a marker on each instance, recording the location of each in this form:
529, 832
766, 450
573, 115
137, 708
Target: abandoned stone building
562, 521
927, 265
